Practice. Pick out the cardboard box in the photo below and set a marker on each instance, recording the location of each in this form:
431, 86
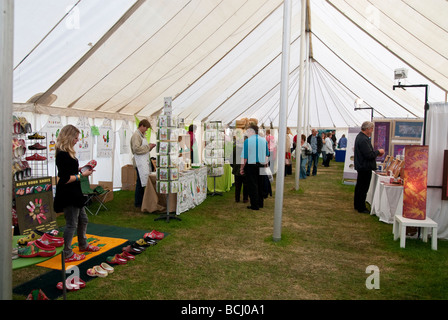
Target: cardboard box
128, 177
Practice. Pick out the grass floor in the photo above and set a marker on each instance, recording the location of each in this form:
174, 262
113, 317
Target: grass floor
222, 250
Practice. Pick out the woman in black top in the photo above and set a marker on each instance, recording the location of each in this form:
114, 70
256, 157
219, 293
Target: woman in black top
69, 197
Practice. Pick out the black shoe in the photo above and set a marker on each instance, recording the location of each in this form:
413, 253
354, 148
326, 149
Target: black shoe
364, 211
249, 207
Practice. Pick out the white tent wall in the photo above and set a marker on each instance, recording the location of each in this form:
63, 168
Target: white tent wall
437, 139
220, 60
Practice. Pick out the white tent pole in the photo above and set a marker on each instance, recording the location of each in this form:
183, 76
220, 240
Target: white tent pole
6, 79
284, 85
307, 89
301, 91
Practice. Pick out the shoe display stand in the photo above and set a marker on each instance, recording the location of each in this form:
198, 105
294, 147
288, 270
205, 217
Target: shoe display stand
167, 171
214, 151
32, 186
37, 154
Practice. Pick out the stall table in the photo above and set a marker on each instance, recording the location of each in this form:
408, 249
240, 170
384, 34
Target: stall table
193, 190
224, 182
386, 199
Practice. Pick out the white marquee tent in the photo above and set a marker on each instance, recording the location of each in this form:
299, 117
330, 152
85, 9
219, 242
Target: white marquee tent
221, 59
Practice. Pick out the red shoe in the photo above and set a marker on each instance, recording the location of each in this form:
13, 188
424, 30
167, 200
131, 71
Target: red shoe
37, 249
126, 255
90, 248
37, 146
89, 166
116, 259
75, 257
72, 284
154, 235
36, 157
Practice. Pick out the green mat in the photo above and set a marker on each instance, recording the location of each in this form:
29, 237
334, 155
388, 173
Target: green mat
26, 262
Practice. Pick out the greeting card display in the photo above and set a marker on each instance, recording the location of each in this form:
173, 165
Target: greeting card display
167, 151
214, 148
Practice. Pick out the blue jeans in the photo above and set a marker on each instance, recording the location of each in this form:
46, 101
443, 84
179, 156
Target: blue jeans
303, 162
312, 160
75, 221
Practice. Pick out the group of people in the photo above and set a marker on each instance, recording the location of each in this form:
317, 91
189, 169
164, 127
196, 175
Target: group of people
312, 147
254, 156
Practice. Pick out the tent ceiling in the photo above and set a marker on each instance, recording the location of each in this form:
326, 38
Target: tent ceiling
220, 59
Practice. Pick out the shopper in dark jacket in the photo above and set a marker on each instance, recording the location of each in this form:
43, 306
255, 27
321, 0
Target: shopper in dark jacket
69, 197
315, 140
365, 162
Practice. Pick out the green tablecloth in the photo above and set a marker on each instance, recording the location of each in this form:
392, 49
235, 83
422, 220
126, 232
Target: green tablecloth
224, 182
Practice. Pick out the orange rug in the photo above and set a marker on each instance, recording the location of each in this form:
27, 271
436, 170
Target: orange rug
105, 244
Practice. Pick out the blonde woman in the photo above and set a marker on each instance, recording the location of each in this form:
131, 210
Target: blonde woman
69, 197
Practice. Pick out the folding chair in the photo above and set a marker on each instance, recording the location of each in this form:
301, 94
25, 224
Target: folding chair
99, 194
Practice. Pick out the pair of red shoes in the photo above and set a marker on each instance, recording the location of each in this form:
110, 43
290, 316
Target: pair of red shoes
120, 258
37, 248
72, 284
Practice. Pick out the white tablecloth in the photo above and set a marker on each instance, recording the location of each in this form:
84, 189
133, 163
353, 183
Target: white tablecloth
386, 200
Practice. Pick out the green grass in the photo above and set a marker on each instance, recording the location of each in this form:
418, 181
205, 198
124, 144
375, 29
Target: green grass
222, 250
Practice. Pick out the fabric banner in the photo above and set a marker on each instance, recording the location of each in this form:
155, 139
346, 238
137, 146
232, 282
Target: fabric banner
105, 140
125, 138
52, 128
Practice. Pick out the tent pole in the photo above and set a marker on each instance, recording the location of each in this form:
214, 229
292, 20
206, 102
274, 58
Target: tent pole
306, 116
301, 91
6, 80
284, 86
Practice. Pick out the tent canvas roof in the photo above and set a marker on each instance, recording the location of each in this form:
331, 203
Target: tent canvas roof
220, 59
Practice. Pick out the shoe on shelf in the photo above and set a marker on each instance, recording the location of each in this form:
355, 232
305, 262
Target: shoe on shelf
37, 146
36, 249
31, 237
51, 240
36, 157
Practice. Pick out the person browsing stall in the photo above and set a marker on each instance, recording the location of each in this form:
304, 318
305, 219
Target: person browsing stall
365, 162
69, 197
140, 148
254, 156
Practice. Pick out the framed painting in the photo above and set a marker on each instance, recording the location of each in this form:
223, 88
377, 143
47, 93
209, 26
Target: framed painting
381, 137
415, 182
397, 149
445, 176
408, 129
